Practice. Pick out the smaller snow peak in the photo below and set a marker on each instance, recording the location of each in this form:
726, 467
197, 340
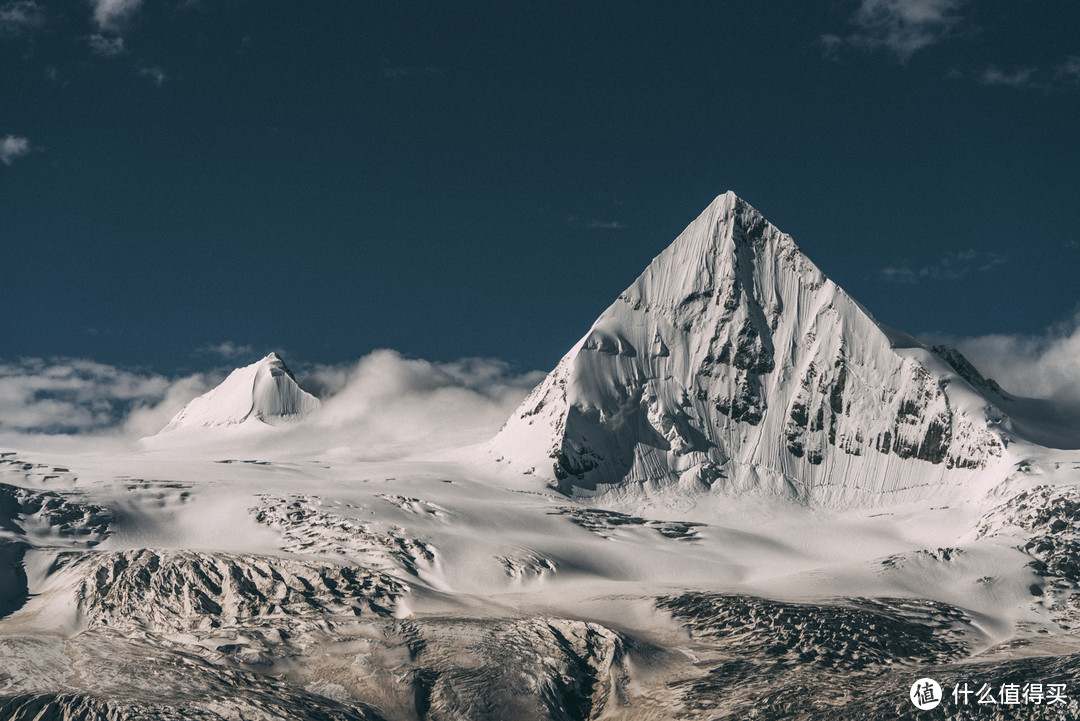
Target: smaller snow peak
265, 391
276, 365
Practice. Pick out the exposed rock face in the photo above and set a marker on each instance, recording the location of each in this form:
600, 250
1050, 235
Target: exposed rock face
968, 372
179, 591
851, 659
1048, 520
733, 360
29, 517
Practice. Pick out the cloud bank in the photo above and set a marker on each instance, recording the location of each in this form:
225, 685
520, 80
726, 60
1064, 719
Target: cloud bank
382, 406
386, 405
1043, 366
66, 396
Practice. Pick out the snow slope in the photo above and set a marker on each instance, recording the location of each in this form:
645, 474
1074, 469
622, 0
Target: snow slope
732, 362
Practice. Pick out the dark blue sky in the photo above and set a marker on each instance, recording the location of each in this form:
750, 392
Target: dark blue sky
458, 179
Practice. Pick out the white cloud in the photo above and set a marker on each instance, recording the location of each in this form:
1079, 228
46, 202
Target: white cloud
19, 16
832, 44
1069, 70
1043, 366
952, 266
1018, 78
903, 27
155, 74
107, 46
228, 350
109, 14
13, 147
382, 406
387, 405
65, 395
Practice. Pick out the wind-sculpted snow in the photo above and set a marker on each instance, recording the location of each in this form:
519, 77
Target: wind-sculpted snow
848, 660
110, 677
603, 523
307, 528
1049, 518
733, 362
187, 591
851, 635
30, 518
45, 515
548, 669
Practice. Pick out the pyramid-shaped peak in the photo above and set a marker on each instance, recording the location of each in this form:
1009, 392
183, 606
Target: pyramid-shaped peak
729, 249
732, 359
276, 364
263, 392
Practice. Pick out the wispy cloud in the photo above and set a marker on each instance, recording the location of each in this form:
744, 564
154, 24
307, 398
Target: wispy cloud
111, 14
398, 405
155, 74
902, 27
106, 45
1069, 70
594, 223
13, 147
1016, 79
952, 266
1061, 77
20, 16
228, 350
605, 224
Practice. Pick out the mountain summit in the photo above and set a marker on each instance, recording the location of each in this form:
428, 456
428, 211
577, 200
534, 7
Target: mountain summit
265, 391
733, 360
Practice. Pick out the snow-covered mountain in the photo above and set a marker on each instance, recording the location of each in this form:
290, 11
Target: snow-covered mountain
733, 360
227, 569
263, 392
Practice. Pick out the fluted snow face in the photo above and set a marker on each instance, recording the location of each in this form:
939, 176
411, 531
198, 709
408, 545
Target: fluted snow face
733, 360
264, 391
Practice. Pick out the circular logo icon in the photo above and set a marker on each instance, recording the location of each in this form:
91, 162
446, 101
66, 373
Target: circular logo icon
925, 694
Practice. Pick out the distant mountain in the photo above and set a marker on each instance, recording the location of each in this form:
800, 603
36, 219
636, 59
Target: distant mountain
733, 360
264, 392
